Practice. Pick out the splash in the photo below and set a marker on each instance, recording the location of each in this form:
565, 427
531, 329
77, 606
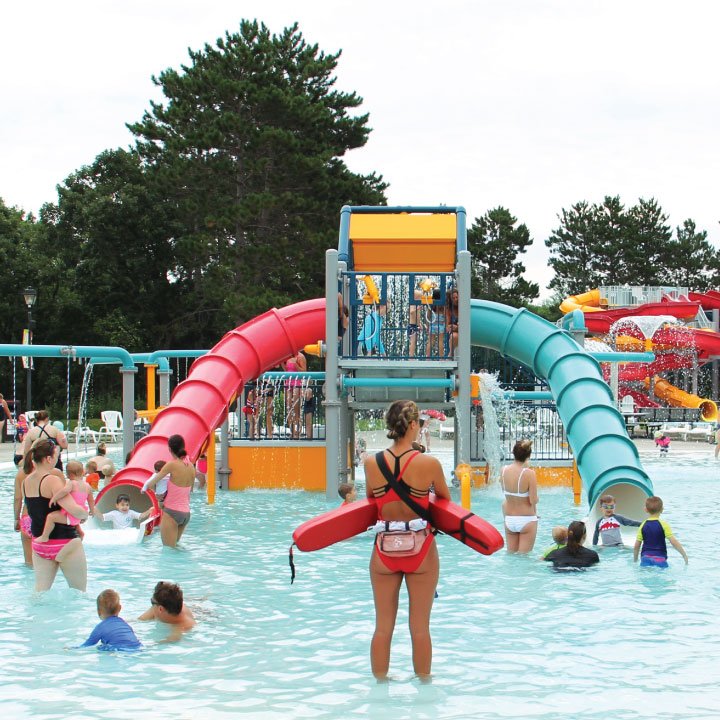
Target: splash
491, 398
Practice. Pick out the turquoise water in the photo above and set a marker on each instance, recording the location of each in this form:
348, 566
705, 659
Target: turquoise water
511, 638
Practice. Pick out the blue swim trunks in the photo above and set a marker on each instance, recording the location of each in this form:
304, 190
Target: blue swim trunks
653, 561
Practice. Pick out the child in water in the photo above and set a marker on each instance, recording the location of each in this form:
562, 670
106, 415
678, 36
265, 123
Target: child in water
81, 493
123, 517
607, 528
559, 536
650, 544
347, 492
113, 633
663, 442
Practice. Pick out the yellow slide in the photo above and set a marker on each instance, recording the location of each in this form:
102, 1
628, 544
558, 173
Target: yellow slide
679, 398
587, 302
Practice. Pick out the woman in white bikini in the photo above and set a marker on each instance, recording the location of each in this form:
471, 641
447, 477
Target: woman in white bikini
519, 485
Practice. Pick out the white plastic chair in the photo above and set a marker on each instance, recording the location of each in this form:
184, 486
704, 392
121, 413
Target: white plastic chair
113, 425
627, 404
82, 432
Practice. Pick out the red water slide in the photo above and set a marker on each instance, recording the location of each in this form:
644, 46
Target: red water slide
709, 300
200, 403
600, 322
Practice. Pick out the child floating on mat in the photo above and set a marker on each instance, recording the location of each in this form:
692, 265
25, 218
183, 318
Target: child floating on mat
81, 493
113, 633
123, 517
607, 528
559, 536
663, 442
650, 544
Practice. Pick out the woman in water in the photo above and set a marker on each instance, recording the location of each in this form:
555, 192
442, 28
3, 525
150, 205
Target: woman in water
519, 486
44, 430
64, 550
417, 473
573, 555
293, 387
181, 478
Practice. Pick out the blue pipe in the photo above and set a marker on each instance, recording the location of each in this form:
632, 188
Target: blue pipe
154, 356
528, 395
574, 320
57, 351
607, 459
138, 358
398, 382
640, 357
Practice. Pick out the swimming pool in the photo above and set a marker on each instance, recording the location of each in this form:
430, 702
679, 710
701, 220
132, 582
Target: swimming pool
511, 638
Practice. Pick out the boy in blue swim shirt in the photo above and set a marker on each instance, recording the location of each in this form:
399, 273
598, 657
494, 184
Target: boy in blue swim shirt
113, 633
650, 543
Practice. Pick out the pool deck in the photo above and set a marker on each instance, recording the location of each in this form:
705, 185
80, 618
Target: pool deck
84, 451
376, 440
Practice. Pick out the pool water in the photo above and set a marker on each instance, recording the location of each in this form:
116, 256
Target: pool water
511, 638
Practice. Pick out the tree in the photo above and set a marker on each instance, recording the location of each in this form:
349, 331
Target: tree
495, 241
608, 245
693, 261
112, 233
247, 150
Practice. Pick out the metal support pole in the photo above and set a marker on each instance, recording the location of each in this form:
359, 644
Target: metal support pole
164, 386
224, 470
462, 355
332, 400
29, 361
614, 380
128, 409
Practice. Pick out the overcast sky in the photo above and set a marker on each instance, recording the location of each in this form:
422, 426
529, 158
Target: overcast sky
529, 104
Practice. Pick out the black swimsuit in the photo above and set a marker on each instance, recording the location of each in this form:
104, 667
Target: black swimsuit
58, 464
38, 509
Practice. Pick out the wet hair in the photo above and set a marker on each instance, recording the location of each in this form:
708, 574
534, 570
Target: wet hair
522, 450
559, 534
399, 416
176, 443
108, 601
344, 489
74, 467
38, 452
121, 497
91, 466
607, 499
170, 596
654, 505
158, 466
42, 415
576, 533
101, 448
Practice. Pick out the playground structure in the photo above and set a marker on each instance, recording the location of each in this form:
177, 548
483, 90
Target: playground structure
672, 323
395, 270
393, 266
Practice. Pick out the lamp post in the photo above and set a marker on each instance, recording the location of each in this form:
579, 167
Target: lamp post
30, 295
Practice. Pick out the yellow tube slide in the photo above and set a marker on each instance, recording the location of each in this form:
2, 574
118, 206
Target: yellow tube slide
587, 302
679, 398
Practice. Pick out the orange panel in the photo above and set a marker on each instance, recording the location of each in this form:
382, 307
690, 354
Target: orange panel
554, 476
291, 467
404, 242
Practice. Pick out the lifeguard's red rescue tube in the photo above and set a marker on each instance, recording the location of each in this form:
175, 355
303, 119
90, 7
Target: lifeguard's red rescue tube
348, 520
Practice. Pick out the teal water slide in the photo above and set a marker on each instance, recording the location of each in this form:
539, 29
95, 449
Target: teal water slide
607, 460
